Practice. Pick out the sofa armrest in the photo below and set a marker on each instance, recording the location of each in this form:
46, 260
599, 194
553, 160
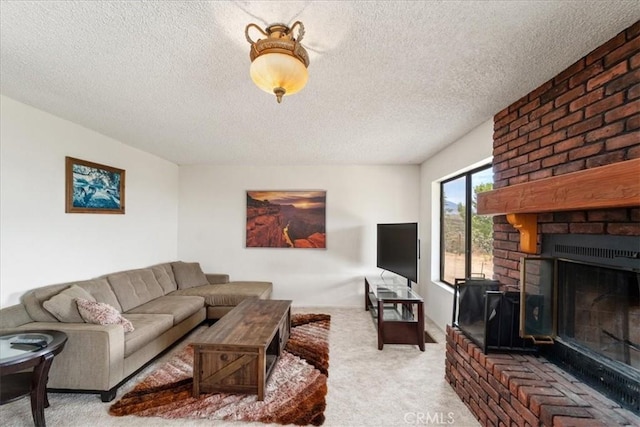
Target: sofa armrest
94, 353
217, 279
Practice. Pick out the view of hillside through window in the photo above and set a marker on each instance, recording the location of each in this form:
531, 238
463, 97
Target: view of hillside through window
467, 238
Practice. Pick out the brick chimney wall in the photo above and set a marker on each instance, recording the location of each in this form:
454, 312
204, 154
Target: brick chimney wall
587, 116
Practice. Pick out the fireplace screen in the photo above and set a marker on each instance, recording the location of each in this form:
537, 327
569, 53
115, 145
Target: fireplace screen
538, 299
488, 316
601, 310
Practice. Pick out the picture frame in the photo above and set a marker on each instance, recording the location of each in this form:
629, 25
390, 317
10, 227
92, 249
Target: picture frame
93, 188
286, 219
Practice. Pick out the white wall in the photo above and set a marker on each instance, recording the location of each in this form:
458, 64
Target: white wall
41, 244
212, 219
472, 150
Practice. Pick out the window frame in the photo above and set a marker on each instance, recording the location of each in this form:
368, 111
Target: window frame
467, 221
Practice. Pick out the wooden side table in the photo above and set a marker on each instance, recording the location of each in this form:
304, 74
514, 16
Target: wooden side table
15, 357
397, 310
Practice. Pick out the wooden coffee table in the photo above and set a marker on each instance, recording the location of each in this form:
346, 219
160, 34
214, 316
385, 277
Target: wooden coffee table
238, 353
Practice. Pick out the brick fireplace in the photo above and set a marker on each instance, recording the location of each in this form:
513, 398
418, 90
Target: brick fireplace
586, 117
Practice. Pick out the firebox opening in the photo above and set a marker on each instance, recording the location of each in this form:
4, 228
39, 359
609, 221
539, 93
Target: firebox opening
634, 291
598, 279
599, 309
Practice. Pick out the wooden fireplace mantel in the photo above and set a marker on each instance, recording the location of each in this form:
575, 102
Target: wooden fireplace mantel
612, 186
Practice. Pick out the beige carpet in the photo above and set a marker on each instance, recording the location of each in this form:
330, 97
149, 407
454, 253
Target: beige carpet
398, 386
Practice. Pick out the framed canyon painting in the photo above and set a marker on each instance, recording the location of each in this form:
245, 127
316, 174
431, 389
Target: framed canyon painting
93, 188
286, 219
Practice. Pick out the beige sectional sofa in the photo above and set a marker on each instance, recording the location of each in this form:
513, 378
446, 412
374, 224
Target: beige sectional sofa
163, 302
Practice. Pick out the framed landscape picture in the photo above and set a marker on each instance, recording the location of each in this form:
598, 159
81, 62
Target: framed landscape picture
93, 188
286, 219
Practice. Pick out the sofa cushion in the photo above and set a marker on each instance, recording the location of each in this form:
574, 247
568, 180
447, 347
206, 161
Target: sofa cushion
148, 327
135, 287
188, 274
164, 275
216, 278
180, 307
63, 305
230, 294
34, 298
100, 313
101, 290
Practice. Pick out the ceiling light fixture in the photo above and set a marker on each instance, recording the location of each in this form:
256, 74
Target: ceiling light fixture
279, 62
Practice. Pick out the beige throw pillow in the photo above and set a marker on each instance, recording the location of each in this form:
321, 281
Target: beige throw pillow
188, 274
63, 305
102, 314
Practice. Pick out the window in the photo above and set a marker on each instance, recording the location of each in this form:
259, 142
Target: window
466, 239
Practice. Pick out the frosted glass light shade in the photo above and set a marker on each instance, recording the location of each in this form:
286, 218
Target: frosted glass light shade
278, 62
278, 70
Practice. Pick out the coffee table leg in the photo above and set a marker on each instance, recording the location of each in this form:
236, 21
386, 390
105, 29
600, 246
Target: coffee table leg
196, 372
39, 390
262, 368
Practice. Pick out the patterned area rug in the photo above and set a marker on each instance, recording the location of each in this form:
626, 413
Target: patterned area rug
295, 392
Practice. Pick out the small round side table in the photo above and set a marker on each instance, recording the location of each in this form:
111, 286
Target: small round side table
20, 350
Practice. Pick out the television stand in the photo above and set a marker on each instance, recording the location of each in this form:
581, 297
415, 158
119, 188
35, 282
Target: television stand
397, 311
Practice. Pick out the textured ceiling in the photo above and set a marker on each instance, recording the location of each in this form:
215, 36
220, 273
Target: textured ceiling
389, 82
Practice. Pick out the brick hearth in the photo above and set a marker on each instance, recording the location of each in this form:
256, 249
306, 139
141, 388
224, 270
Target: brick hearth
587, 116
525, 390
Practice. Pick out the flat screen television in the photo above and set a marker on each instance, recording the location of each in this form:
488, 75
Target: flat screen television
398, 249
